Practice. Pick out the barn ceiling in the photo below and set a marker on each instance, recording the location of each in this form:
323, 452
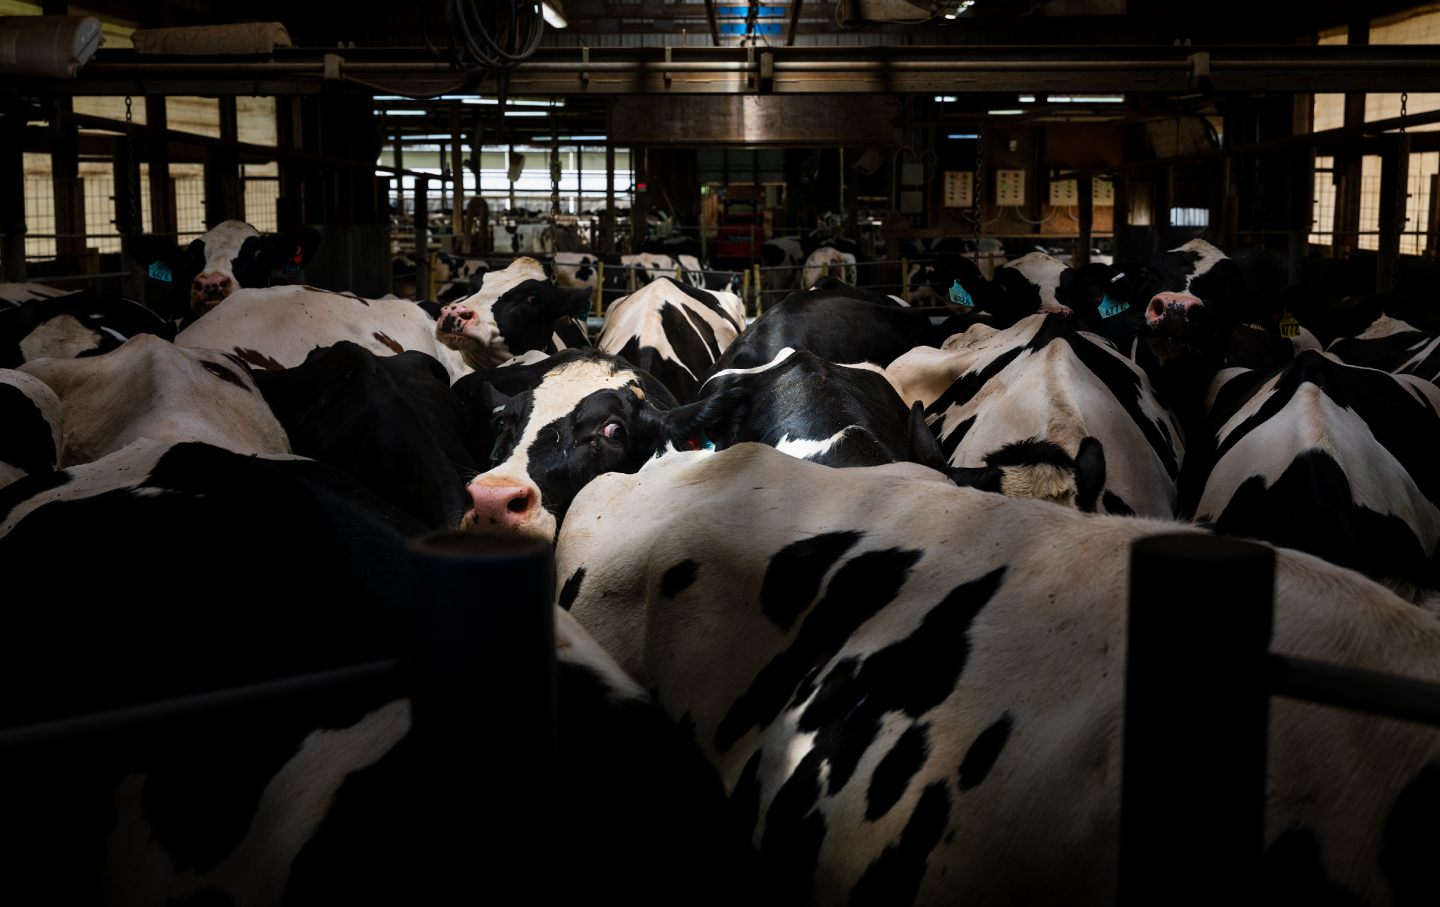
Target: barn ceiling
1058, 60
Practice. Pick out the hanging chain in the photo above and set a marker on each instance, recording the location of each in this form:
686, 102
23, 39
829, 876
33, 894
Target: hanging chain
1402, 193
132, 169
977, 186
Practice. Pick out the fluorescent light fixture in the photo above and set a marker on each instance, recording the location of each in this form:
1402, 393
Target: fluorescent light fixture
554, 13
516, 102
949, 15
1004, 113
944, 99
963, 135
392, 97
1085, 99
527, 113
390, 112
1027, 99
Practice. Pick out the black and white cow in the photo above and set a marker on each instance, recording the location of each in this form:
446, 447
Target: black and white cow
837, 415
828, 261
589, 414
229, 256
517, 309
453, 278
914, 693
1392, 345
995, 398
277, 327
931, 279
69, 325
152, 388
390, 421
1326, 457
787, 260
673, 331
836, 323
30, 421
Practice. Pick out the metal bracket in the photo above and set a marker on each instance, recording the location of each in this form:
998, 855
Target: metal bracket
332, 67
585, 66
667, 66
1199, 69
767, 72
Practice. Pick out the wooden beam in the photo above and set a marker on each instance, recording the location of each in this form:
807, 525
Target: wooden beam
794, 22
162, 187
714, 26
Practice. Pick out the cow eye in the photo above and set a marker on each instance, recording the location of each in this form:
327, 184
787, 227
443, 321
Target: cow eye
614, 431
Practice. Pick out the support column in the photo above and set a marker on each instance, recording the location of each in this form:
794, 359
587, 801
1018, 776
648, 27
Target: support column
1086, 187
1394, 175
162, 188
290, 206
422, 238
67, 189
1302, 211
223, 198
128, 217
1350, 162
457, 173
12, 192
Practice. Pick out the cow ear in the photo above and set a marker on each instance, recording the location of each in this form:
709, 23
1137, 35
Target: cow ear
1089, 474
924, 448
985, 478
158, 256
491, 399
713, 421
291, 249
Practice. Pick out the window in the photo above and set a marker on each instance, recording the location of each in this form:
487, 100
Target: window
1190, 217
1323, 216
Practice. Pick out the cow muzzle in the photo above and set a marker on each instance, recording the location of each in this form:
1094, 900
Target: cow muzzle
1171, 307
504, 505
455, 318
210, 288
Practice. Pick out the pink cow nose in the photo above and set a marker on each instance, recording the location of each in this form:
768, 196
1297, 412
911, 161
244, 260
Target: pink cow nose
212, 285
455, 316
502, 504
1171, 305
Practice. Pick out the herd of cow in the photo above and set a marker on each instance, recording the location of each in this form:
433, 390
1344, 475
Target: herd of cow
841, 591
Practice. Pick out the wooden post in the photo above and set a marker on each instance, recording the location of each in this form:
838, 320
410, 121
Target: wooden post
127, 187
1087, 219
457, 173
1182, 674
67, 189
1302, 211
12, 192
162, 188
223, 197
422, 238
1394, 177
607, 228
1350, 161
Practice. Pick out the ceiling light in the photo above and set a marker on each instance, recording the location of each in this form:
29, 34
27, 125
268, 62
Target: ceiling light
554, 13
527, 113
1027, 99
1085, 99
1004, 113
944, 99
949, 15
517, 102
963, 135
400, 113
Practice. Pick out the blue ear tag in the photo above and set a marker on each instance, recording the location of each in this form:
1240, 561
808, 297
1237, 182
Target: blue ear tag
160, 271
1110, 307
292, 268
1289, 327
959, 296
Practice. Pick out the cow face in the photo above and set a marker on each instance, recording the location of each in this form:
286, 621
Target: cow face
508, 316
1036, 468
229, 256
1197, 295
590, 414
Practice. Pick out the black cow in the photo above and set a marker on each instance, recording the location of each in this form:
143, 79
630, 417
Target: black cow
390, 421
836, 325
1329, 458
229, 256
838, 415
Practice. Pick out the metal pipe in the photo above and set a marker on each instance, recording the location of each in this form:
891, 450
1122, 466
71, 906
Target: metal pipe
1372, 692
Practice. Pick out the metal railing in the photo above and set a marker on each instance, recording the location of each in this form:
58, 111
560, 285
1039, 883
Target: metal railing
1198, 680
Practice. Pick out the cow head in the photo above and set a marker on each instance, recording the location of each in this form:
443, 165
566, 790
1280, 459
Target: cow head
229, 256
590, 413
1037, 468
515, 310
1196, 297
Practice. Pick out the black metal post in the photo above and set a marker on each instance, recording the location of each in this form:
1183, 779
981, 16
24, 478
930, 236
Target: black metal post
1192, 813
484, 708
